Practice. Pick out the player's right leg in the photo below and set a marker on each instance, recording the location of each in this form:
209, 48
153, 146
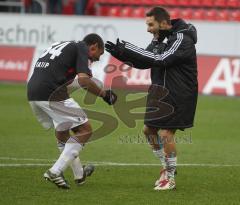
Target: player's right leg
151, 133
40, 109
171, 160
43, 118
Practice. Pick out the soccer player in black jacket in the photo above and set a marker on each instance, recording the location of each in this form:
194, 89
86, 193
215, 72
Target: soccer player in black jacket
49, 98
173, 62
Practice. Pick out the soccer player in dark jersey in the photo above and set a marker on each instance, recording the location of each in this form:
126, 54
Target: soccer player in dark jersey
49, 99
173, 62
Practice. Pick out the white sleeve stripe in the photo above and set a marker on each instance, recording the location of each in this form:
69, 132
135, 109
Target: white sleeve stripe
139, 50
174, 47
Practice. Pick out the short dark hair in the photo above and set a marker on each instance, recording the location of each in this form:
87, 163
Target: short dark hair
159, 14
94, 38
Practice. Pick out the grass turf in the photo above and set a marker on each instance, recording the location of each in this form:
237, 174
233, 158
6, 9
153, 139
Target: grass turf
214, 140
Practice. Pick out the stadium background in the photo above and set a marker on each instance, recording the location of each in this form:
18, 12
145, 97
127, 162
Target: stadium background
126, 169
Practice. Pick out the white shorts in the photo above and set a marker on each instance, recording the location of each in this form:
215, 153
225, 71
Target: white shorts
62, 115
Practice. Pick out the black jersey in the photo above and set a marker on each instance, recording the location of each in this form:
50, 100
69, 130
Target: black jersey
57, 66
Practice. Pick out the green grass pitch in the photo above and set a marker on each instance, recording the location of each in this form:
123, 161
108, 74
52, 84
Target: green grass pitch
205, 178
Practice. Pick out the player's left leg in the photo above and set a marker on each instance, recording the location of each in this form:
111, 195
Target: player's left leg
167, 136
87, 170
76, 166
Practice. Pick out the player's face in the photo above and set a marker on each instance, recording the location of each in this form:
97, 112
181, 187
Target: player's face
95, 52
152, 25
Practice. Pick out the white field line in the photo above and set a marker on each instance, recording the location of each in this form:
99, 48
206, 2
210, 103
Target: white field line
99, 163
26, 159
24, 165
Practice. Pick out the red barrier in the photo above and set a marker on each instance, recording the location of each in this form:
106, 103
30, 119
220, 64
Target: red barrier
216, 75
219, 75
15, 62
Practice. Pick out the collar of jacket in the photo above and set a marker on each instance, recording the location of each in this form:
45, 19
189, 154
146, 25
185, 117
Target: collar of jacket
178, 25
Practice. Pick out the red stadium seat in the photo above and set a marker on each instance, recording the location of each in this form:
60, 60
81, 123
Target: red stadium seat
114, 11
102, 10
186, 13
111, 1
235, 15
207, 3
126, 11
170, 2
198, 14
216, 10
158, 2
195, 3
68, 9
220, 3
174, 13
27, 3
223, 15
233, 3
90, 7
139, 12
211, 15
125, 2
100, 1
183, 2
134, 2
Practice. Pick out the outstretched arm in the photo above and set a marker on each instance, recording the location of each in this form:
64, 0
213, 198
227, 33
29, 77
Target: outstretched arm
179, 49
116, 50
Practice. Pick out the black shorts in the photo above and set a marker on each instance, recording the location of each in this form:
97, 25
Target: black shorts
165, 110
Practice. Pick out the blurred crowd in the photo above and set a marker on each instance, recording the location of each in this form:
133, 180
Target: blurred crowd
44, 6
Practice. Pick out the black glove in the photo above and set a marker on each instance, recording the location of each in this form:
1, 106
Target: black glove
110, 97
114, 49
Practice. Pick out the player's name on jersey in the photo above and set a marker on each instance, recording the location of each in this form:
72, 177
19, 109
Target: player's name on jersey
40, 64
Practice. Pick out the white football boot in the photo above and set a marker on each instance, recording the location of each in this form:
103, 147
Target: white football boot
167, 184
163, 176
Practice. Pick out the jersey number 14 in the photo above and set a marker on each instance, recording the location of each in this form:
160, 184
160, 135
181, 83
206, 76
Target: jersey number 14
55, 50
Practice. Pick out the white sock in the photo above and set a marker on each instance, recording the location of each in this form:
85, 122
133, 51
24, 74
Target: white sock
70, 152
76, 165
171, 163
77, 168
160, 154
